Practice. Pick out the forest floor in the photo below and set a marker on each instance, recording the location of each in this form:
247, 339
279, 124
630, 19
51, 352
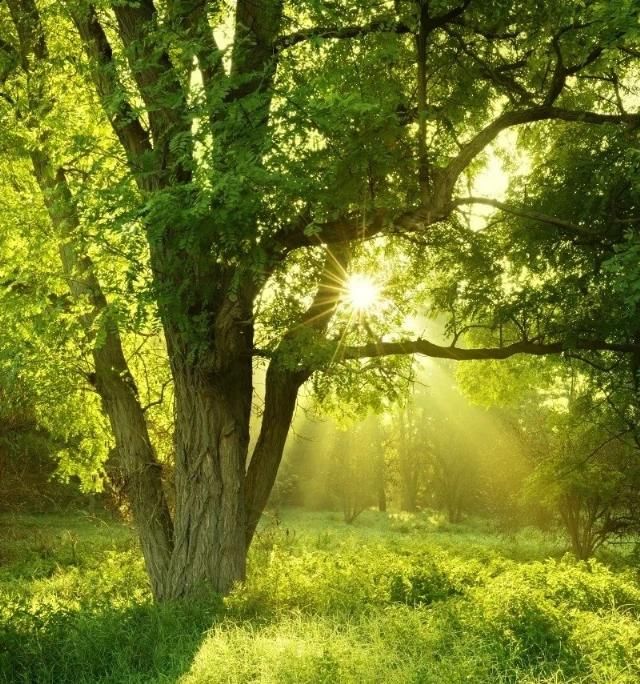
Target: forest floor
390, 599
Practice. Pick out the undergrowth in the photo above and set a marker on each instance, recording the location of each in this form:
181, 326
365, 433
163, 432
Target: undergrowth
391, 599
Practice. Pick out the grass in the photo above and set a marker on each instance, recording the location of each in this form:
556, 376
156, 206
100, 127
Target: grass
390, 599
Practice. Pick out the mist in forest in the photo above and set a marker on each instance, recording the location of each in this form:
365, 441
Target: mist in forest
435, 451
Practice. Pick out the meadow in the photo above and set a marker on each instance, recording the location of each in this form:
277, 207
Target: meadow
392, 598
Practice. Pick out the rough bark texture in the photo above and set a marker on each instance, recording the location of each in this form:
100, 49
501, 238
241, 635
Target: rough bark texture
213, 404
116, 387
282, 384
212, 367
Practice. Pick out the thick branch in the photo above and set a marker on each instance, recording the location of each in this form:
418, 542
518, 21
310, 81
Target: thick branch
562, 72
159, 87
543, 113
305, 233
113, 379
282, 385
426, 348
380, 25
133, 137
190, 18
448, 17
386, 24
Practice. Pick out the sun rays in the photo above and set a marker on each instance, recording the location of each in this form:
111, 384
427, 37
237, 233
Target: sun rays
362, 292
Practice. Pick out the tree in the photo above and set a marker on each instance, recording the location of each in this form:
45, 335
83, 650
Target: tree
270, 150
411, 439
350, 475
378, 450
453, 478
590, 475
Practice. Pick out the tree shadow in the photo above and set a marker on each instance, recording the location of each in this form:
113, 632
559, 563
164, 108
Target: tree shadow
143, 642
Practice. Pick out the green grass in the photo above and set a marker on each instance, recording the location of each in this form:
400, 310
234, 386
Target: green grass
389, 599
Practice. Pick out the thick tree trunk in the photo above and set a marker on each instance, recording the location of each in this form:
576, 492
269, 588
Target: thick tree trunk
113, 380
115, 385
213, 405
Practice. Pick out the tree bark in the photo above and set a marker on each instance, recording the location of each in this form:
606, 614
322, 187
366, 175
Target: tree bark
280, 400
136, 460
115, 385
282, 385
213, 405
113, 380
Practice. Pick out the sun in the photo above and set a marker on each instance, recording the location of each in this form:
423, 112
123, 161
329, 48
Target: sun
362, 293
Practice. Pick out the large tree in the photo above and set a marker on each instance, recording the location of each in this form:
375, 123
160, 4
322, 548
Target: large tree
259, 148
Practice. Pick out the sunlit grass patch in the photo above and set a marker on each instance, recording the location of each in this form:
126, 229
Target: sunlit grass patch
387, 648
323, 602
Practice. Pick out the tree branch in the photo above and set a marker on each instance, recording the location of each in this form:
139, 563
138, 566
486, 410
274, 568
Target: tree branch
281, 388
523, 213
159, 86
497, 75
303, 232
426, 348
448, 17
380, 25
191, 19
515, 118
126, 125
561, 72
386, 24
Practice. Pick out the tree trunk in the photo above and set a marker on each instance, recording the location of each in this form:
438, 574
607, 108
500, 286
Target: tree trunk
282, 385
281, 391
115, 385
409, 471
113, 381
136, 460
213, 405
381, 490
380, 475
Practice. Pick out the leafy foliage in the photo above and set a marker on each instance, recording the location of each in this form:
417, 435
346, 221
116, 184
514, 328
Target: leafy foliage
323, 602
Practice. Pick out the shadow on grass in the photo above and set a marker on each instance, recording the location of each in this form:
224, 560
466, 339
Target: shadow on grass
145, 642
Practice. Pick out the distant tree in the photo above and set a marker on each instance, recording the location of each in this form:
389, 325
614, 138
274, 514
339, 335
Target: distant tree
591, 475
453, 477
378, 455
357, 477
412, 449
